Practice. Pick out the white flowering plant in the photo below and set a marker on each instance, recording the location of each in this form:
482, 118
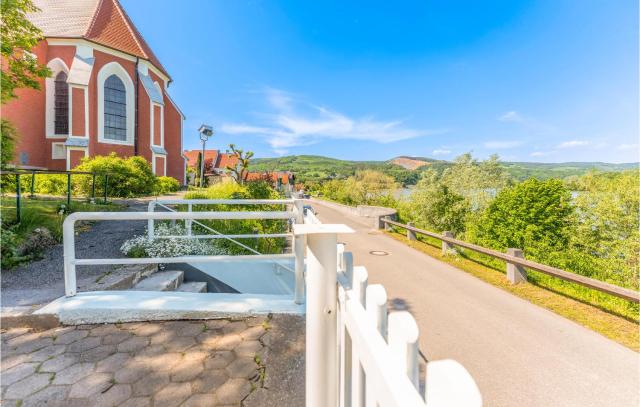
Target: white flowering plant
141, 246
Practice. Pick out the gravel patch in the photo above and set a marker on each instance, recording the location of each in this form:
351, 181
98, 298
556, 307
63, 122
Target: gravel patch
42, 281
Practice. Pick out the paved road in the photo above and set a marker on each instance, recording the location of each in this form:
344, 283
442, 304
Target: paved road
518, 353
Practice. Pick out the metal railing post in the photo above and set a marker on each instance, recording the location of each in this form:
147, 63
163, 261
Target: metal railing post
68, 189
321, 352
18, 203
189, 222
299, 248
106, 186
33, 183
69, 256
93, 187
150, 222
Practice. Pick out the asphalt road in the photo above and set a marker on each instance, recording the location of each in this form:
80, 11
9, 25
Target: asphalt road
518, 353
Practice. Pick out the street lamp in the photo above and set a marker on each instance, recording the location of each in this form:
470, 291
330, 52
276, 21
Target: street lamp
205, 131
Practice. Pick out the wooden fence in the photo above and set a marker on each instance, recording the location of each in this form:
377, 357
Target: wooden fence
516, 263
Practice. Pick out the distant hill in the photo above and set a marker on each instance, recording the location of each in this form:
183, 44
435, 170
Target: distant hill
412, 163
407, 169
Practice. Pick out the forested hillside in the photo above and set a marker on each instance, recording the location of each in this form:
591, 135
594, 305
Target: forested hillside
319, 168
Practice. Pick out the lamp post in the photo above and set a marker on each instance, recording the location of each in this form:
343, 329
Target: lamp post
205, 131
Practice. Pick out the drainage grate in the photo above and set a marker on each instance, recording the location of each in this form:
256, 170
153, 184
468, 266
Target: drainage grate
379, 253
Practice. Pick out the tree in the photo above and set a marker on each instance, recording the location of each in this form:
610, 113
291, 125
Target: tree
534, 215
8, 135
20, 68
241, 170
478, 182
18, 36
435, 207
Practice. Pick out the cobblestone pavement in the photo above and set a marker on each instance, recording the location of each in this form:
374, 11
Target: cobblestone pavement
174, 363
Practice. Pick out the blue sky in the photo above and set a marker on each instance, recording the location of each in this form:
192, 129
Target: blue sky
547, 80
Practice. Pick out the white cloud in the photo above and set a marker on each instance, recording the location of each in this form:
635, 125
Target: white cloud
498, 145
633, 146
441, 152
573, 143
293, 122
541, 153
511, 116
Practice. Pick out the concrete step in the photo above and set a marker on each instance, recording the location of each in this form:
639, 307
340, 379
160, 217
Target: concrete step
193, 287
161, 281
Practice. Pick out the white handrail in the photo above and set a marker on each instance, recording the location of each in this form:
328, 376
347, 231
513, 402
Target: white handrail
189, 223
68, 231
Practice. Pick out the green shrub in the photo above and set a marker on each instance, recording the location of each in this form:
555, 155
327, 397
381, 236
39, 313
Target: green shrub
128, 177
166, 185
233, 190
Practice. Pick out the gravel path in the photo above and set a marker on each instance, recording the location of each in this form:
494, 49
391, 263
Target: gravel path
42, 281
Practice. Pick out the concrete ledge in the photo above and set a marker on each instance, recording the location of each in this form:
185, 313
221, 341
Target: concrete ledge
128, 306
24, 317
363, 211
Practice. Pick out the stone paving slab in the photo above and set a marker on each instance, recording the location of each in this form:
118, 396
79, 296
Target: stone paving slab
176, 363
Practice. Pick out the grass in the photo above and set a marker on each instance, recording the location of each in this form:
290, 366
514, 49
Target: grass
610, 316
44, 213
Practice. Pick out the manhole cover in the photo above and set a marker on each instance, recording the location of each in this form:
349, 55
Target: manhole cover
379, 253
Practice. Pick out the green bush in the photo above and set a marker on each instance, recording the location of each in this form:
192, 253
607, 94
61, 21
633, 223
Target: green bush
48, 184
166, 185
251, 190
128, 177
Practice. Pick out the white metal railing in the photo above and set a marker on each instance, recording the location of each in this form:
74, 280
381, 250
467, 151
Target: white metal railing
356, 353
70, 260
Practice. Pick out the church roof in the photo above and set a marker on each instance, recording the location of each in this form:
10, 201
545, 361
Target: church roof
101, 21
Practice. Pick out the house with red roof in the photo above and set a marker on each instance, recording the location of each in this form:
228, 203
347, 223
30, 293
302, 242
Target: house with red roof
215, 162
107, 93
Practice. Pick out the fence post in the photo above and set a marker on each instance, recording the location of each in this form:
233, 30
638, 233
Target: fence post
189, 222
359, 285
298, 249
33, 183
403, 341
516, 274
321, 379
321, 321
69, 248
447, 247
18, 203
376, 300
150, 222
68, 190
93, 187
106, 186
411, 235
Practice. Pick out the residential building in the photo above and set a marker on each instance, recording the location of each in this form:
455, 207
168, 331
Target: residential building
107, 93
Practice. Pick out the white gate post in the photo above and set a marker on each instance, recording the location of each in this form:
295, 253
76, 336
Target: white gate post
321, 333
69, 245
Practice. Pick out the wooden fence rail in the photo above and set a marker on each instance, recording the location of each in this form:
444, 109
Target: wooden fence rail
625, 293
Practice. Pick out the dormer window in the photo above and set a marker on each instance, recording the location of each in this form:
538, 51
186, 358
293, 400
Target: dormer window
61, 104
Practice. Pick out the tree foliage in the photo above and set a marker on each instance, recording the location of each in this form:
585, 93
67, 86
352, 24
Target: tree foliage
241, 170
18, 36
8, 137
434, 206
532, 214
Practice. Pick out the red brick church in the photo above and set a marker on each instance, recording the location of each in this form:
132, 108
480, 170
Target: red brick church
107, 93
